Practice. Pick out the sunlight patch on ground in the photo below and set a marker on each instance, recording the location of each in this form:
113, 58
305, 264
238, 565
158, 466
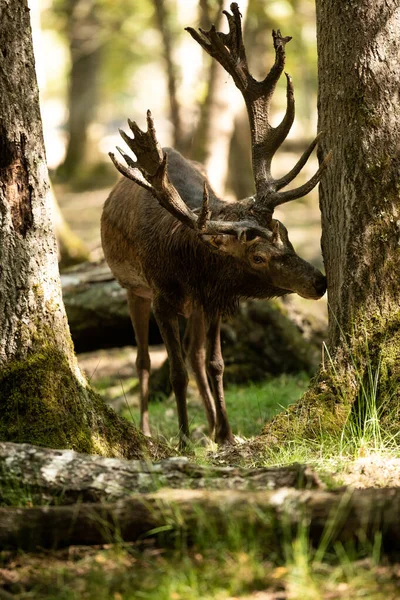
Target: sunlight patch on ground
373, 470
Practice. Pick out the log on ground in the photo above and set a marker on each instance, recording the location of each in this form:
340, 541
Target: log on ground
97, 309
346, 516
54, 475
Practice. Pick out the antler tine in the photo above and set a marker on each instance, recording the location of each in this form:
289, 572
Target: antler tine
150, 172
132, 173
279, 133
276, 70
228, 49
205, 212
286, 179
282, 197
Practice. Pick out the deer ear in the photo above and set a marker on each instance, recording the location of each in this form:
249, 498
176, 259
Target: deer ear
276, 238
223, 242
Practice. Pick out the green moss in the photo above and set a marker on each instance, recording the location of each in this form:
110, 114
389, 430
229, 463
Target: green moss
369, 365
321, 411
44, 403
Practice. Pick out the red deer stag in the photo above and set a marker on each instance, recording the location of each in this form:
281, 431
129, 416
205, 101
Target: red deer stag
169, 240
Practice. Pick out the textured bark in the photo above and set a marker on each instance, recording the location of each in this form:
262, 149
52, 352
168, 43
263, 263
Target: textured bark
44, 397
359, 107
348, 516
29, 281
53, 474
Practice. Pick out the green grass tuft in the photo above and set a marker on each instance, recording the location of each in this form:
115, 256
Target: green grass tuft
249, 407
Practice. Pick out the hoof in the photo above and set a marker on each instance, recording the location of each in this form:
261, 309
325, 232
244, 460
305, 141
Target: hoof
225, 438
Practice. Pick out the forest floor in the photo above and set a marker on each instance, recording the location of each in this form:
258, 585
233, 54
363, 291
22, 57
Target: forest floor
112, 373
238, 566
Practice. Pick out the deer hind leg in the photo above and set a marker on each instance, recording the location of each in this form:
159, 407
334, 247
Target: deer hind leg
195, 338
167, 320
139, 310
215, 368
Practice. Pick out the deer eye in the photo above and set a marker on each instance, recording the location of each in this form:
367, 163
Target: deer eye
258, 259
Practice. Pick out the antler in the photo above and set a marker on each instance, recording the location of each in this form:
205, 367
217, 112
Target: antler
228, 49
150, 172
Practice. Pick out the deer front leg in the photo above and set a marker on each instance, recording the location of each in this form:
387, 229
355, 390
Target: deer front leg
139, 310
195, 338
215, 369
167, 321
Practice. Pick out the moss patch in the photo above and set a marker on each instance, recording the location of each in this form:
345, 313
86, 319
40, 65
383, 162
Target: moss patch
367, 366
43, 403
320, 412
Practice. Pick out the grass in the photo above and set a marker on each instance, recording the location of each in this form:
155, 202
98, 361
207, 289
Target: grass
242, 565
249, 407
237, 567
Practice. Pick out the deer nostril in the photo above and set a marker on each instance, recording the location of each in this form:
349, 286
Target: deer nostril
320, 285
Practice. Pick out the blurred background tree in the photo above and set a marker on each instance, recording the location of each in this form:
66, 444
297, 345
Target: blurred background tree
108, 60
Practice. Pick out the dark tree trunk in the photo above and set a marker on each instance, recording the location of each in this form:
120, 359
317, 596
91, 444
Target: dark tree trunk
44, 398
359, 108
84, 34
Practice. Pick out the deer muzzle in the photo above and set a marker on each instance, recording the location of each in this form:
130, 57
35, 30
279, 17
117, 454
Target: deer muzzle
297, 275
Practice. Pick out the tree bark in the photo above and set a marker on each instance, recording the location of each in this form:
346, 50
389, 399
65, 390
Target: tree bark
44, 397
359, 107
48, 475
347, 516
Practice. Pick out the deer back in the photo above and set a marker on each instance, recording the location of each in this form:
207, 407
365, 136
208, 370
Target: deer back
150, 251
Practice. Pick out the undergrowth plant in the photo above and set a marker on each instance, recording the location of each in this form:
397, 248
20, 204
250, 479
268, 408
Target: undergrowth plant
363, 432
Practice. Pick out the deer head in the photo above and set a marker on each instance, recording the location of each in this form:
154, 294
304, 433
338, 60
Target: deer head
245, 230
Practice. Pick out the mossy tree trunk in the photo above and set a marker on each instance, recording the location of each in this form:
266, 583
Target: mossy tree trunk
44, 398
359, 108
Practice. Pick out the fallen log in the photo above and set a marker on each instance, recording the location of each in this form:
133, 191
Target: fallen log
51, 475
345, 516
97, 309
263, 338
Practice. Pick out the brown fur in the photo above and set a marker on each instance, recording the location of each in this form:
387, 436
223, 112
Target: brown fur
149, 251
155, 256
